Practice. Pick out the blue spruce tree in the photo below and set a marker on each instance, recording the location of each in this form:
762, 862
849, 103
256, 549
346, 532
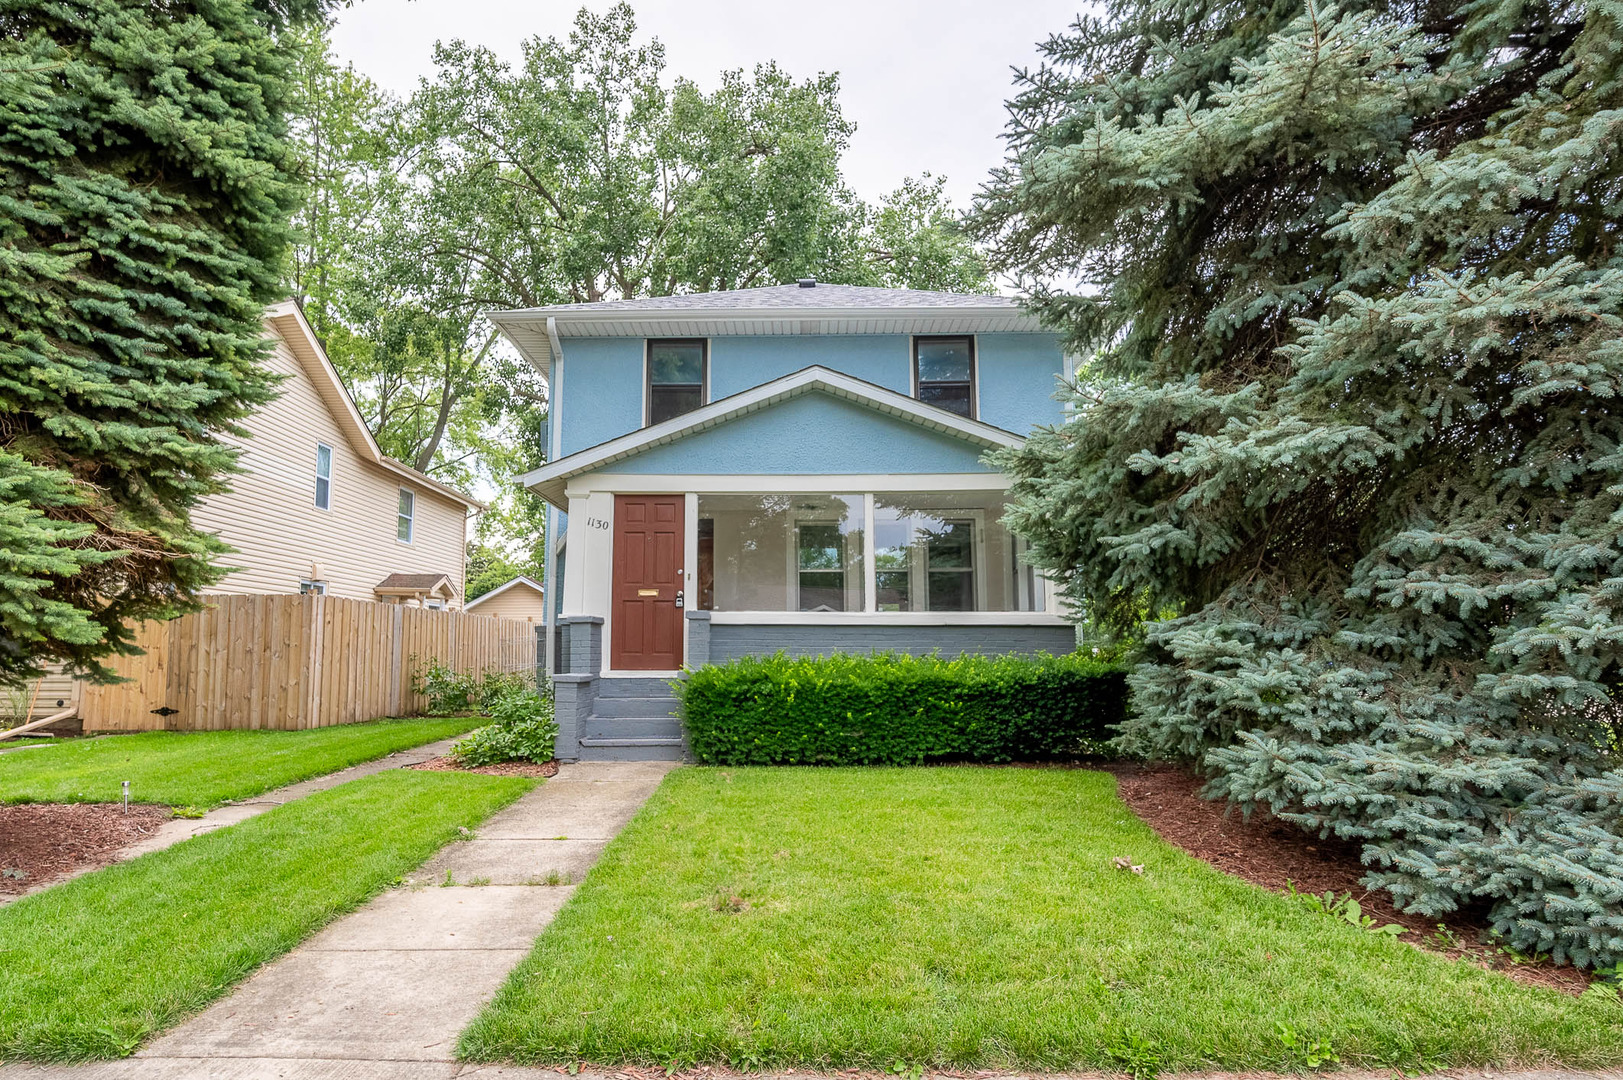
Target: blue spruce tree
1347, 450
145, 198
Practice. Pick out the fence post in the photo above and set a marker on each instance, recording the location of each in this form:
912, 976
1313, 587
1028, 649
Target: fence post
397, 659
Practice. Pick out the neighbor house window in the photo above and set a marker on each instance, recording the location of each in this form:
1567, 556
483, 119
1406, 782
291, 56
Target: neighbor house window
323, 476
675, 378
944, 373
319, 588
408, 510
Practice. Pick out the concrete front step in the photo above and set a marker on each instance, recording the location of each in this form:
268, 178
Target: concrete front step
633, 748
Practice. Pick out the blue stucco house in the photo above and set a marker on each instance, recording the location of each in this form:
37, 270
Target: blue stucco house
797, 467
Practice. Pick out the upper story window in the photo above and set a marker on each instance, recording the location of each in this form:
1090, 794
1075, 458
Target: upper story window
676, 377
323, 476
408, 511
944, 373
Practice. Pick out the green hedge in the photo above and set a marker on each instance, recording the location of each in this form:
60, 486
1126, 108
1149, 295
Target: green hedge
898, 710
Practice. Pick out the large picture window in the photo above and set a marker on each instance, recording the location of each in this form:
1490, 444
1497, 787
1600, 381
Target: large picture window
939, 552
780, 552
676, 375
944, 373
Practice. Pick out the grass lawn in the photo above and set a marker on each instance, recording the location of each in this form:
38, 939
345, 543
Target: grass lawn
93, 966
971, 917
206, 768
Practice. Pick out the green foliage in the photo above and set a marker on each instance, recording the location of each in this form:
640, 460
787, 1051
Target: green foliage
522, 728
489, 567
457, 693
1346, 908
579, 171
144, 205
1302, 1050
898, 710
1344, 452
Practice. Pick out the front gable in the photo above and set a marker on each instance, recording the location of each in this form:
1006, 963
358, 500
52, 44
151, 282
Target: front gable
815, 433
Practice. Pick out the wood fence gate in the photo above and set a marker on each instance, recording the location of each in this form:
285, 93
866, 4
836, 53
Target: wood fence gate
290, 662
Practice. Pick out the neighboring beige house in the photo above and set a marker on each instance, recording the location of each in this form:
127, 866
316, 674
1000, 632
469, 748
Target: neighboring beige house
517, 598
319, 508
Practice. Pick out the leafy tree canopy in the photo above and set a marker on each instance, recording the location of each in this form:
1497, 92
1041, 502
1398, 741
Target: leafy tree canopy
1352, 294
144, 205
578, 173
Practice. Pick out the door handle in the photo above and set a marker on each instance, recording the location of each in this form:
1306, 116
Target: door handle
679, 598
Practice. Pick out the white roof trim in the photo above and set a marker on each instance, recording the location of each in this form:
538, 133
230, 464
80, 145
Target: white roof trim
536, 332
288, 321
549, 480
521, 579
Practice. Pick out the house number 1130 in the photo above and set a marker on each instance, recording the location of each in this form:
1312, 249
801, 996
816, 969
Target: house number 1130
596, 523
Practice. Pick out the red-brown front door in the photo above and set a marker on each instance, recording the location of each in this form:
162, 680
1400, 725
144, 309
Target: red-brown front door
647, 630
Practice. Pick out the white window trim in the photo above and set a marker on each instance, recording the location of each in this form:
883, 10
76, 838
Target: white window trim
320, 446
410, 519
312, 587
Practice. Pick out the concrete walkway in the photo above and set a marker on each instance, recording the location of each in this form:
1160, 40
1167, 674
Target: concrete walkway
384, 992
175, 830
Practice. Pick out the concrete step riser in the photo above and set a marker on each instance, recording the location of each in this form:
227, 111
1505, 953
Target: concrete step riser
613, 688
634, 727
640, 707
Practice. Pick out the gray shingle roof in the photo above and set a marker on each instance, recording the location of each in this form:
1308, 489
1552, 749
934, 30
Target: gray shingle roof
795, 297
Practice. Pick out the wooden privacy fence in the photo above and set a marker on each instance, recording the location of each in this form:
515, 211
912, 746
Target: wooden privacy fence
292, 662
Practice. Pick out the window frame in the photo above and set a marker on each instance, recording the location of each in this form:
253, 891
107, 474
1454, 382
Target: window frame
648, 374
312, 587
407, 516
974, 371
319, 504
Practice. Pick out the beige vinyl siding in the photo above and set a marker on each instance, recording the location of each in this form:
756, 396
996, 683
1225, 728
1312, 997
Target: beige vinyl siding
519, 602
56, 692
271, 519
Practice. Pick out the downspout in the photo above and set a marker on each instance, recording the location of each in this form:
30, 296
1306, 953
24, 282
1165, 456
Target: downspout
554, 438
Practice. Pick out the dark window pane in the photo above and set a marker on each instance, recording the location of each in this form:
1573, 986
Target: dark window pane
954, 397
952, 590
951, 545
664, 402
943, 360
676, 362
822, 591
821, 548
894, 588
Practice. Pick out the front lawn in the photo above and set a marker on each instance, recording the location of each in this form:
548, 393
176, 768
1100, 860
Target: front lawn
90, 968
206, 768
972, 917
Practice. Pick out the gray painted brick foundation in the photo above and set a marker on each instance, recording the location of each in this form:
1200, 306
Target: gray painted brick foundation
717, 643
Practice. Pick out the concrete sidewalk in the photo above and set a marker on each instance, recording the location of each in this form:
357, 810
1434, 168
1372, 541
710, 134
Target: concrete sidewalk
385, 991
175, 830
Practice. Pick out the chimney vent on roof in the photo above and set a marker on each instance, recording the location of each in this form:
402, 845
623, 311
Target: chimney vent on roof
807, 283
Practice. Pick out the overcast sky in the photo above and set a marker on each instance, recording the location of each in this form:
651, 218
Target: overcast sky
924, 80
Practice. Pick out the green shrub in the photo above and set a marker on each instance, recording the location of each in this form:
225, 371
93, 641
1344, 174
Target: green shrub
522, 728
458, 693
892, 710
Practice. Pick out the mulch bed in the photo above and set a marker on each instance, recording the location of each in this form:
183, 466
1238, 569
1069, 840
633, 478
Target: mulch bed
506, 768
40, 842
1267, 852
